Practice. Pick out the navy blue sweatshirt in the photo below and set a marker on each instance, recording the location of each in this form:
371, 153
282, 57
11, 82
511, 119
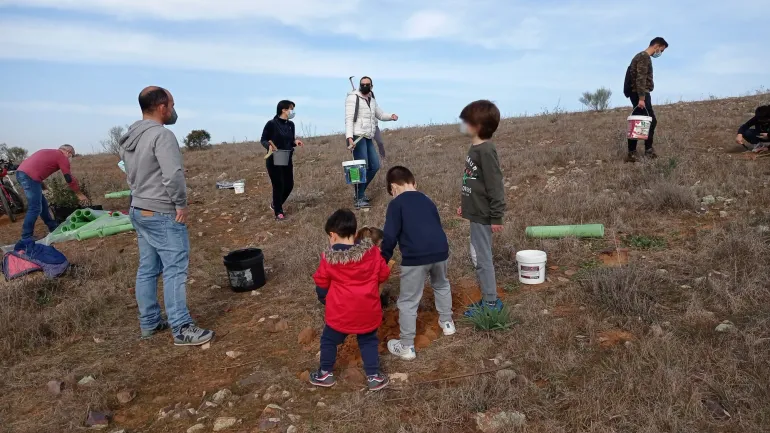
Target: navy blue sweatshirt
412, 222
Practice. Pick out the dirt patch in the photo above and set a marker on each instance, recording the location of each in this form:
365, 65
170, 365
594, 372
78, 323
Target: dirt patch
614, 337
614, 257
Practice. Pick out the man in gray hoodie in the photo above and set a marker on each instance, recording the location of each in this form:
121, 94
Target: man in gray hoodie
158, 212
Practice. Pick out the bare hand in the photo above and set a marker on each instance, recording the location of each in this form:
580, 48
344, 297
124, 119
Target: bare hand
460, 211
642, 104
81, 197
739, 139
394, 117
181, 215
497, 228
763, 135
272, 146
351, 144
299, 143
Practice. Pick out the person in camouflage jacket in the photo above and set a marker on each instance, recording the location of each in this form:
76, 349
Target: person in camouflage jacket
637, 86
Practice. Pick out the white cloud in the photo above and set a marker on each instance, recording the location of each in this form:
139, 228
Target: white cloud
429, 24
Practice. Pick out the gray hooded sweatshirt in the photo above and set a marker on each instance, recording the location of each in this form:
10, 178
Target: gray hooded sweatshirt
154, 167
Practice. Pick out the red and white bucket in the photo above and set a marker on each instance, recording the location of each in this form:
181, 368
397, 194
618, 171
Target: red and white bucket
639, 127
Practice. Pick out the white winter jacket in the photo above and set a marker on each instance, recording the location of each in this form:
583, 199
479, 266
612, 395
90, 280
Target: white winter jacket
368, 114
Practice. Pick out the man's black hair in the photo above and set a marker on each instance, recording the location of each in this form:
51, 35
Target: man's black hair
399, 175
763, 113
151, 99
343, 223
365, 78
284, 105
659, 41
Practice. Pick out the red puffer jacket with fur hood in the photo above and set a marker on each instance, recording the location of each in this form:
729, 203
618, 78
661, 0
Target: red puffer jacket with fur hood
352, 276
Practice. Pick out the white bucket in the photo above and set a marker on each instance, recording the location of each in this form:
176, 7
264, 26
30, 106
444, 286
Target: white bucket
639, 127
239, 187
531, 265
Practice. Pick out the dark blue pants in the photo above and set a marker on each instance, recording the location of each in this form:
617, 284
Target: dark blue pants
366, 150
37, 205
367, 344
649, 112
752, 136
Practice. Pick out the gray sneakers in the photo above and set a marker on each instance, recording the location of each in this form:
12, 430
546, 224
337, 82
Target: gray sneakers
147, 333
191, 335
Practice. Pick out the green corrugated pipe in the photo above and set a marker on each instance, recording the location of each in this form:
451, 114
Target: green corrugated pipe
88, 234
76, 225
109, 231
578, 231
118, 194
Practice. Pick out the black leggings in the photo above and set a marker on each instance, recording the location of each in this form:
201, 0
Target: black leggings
649, 112
282, 178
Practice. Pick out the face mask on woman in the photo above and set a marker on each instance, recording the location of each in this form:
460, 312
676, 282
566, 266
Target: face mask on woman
291, 114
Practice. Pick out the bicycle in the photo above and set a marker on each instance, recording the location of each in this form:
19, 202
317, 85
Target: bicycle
10, 200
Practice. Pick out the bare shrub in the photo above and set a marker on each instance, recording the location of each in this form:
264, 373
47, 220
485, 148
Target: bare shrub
111, 144
631, 291
598, 100
665, 196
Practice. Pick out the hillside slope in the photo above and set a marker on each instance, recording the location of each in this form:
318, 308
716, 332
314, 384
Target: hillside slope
598, 348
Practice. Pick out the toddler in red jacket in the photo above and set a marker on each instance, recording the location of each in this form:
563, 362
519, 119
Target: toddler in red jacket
350, 273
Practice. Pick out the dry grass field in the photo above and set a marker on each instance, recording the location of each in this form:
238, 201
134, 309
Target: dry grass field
621, 338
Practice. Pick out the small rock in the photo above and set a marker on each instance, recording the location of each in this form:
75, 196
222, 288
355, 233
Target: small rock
274, 407
55, 387
709, 199
306, 336
224, 423
221, 396
197, 428
723, 214
506, 375
261, 319
266, 424
352, 375
726, 326
685, 287
210, 404
570, 273
206, 346
273, 388
233, 354
281, 325
200, 235
87, 381
545, 312
98, 340
421, 341
304, 376
267, 397
496, 422
274, 317
243, 220
656, 331
399, 377
285, 395
563, 280
662, 272
291, 429
97, 420
126, 396
320, 405
294, 418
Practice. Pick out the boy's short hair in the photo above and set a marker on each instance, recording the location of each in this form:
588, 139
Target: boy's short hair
763, 113
342, 223
484, 115
659, 41
372, 233
399, 175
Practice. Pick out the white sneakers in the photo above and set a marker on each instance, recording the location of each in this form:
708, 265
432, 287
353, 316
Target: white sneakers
448, 327
407, 353
404, 352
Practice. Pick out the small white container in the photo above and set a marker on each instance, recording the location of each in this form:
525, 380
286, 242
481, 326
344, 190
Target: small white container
239, 187
531, 265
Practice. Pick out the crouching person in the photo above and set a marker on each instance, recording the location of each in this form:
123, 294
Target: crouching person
350, 274
755, 133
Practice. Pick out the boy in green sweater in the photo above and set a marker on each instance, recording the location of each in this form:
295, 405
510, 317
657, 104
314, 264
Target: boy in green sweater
483, 196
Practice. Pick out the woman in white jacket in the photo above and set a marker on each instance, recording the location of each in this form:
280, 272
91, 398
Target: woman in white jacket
361, 115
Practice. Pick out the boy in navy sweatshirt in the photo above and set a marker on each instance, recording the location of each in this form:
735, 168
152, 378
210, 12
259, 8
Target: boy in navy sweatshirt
412, 221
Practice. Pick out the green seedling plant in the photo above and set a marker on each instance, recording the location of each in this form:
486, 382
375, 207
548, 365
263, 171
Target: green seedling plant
492, 320
646, 242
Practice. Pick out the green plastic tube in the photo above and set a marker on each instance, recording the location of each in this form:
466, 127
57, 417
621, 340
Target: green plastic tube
578, 231
116, 214
75, 226
88, 234
118, 194
109, 231
78, 213
64, 229
88, 215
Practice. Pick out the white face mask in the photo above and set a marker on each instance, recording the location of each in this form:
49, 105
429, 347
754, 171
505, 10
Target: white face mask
291, 114
464, 128
657, 54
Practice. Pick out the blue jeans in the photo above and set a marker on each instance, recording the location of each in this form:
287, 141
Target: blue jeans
37, 205
366, 150
367, 343
164, 247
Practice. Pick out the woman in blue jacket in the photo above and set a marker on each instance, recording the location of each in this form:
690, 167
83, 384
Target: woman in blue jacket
278, 134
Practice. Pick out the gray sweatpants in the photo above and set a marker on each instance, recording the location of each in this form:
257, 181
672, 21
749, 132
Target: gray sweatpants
412, 284
481, 243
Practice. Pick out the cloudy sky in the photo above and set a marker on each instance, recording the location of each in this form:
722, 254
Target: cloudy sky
70, 69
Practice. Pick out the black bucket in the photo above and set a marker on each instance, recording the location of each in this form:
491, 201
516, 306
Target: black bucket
245, 269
